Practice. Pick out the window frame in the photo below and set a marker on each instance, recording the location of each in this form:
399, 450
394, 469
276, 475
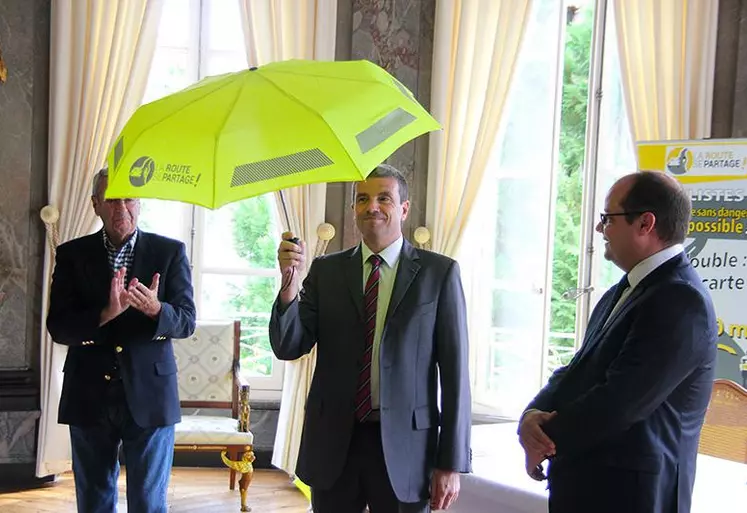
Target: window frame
192, 231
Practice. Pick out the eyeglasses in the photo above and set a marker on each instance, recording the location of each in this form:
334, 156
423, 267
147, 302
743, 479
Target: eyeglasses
605, 217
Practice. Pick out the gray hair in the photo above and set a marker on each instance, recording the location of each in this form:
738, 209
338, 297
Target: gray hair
387, 171
100, 175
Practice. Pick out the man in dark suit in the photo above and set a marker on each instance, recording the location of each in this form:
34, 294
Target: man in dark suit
120, 373
388, 321
621, 422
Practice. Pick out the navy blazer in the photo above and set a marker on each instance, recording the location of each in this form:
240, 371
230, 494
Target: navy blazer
631, 403
141, 346
424, 339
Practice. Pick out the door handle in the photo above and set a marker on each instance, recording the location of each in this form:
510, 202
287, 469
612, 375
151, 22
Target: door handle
571, 294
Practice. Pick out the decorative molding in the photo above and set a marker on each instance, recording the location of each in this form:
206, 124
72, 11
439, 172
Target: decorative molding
19, 390
21, 476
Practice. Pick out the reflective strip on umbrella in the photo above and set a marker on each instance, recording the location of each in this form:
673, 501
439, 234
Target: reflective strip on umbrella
281, 166
118, 151
383, 129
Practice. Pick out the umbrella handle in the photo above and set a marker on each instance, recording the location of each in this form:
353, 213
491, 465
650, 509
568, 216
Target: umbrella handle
287, 217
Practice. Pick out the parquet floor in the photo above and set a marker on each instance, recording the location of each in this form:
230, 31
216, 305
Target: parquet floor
191, 490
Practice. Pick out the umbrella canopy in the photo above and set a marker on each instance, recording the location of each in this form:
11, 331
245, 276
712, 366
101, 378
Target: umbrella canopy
242, 134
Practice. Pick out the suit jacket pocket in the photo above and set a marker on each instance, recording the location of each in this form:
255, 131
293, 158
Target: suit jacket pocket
166, 367
421, 418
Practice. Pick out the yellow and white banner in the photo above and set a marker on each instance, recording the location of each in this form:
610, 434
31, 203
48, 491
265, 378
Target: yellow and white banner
715, 173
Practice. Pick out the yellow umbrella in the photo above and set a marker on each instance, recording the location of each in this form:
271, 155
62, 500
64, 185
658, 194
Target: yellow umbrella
243, 134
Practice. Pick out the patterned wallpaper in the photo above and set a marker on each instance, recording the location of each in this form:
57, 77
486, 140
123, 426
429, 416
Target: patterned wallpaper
398, 36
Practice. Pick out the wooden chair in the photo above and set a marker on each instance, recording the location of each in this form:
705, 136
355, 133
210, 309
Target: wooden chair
209, 378
724, 432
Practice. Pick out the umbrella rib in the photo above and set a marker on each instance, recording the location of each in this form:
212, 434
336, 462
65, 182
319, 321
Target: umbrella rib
301, 102
217, 134
171, 113
349, 79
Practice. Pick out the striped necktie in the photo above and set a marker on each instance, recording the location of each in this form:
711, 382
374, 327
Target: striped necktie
363, 406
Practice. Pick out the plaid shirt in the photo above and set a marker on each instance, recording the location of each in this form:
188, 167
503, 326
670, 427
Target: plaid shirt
122, 257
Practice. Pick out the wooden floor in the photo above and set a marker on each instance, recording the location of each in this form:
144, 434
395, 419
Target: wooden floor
191, 490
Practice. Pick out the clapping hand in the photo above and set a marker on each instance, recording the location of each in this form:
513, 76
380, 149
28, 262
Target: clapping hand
118, 298
137, 295
145, 298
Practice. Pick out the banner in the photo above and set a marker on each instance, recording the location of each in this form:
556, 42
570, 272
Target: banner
715, 174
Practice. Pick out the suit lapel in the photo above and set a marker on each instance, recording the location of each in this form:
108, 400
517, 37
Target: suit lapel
354, 279
142, 248
406, 272
657, 274
605, 324
97, 266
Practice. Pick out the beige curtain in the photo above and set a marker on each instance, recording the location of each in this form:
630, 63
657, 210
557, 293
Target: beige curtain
475, 46
101, 53
667, 52
277, 30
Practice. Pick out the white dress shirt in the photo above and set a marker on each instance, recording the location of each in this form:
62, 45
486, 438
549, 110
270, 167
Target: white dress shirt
387, 274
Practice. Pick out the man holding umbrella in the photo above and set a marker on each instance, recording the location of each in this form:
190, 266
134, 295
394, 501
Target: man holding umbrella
390, 324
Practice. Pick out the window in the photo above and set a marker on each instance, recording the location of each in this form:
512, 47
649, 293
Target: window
531, 260
232, 249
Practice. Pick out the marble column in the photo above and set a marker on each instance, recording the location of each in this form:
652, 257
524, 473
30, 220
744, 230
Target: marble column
24, 43
398, 36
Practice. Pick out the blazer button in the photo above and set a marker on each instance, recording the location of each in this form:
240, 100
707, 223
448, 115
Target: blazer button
107, 377
118, 349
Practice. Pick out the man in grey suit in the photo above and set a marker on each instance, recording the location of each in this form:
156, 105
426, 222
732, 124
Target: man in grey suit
388, 320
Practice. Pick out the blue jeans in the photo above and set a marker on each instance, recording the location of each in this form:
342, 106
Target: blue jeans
148, 455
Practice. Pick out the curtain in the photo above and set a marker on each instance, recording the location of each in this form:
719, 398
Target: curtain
101, 53
470, 83
277, 30
667, 57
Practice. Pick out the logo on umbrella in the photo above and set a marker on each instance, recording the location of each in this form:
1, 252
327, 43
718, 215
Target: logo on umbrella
142, 171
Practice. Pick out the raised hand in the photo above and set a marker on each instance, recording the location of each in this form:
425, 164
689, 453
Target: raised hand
118, 298
291, 258
145, 298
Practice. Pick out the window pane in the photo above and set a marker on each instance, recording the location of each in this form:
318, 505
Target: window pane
224, 31
241, 235
173, 30
505, 250
504, 373
170, 73
249, 299
570, 174
616, 156
225, 62
560, 351
168, 218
